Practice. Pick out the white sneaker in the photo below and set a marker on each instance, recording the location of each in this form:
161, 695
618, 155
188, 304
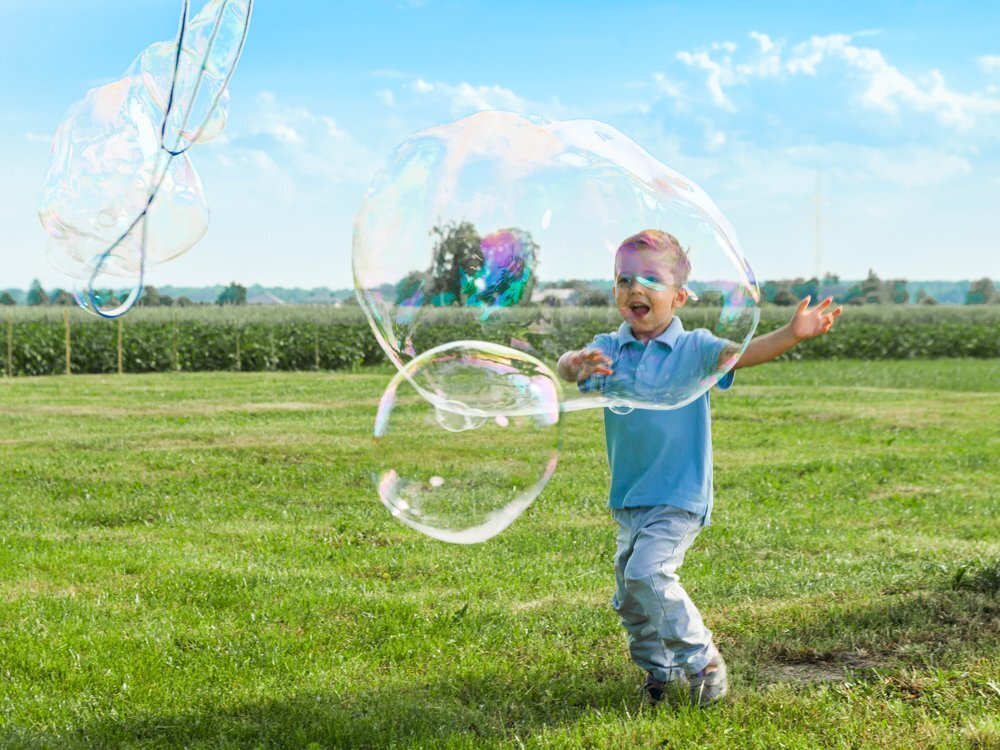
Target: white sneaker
711, 684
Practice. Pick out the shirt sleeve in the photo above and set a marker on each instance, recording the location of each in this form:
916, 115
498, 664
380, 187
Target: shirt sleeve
712, 347
605, 342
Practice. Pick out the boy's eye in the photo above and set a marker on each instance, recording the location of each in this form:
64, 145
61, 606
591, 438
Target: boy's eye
650, 281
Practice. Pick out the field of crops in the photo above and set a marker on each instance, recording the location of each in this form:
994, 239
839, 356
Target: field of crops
40, 341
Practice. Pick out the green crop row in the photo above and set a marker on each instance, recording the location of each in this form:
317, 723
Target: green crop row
329, 339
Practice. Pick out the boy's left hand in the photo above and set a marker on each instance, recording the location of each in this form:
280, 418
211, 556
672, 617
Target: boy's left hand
807, 324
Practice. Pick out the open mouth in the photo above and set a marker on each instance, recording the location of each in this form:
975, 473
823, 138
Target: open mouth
638, 309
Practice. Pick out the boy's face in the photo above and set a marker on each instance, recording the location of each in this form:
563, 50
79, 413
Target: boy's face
645, 292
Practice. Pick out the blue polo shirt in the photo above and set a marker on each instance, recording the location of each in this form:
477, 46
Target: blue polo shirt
660, 457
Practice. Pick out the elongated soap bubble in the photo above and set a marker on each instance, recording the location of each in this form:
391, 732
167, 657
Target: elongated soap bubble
466, 437
469, 227
121, 193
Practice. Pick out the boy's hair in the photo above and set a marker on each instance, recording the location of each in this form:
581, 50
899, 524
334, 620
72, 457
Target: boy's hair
659, 241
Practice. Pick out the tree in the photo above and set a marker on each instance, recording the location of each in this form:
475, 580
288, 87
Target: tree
62, 298
457, 249
923, 298
37, 295
184, 301
785, 296
467, 269
896, 292
801, 287
579, 284
594, 298
6, 299
872, 289
234, 294
768, 289
982, 292
151, 297
408, 288
505, 273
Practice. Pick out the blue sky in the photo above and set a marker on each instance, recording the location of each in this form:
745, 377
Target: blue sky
888, 113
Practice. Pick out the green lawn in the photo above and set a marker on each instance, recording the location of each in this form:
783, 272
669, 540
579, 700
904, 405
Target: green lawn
200, 560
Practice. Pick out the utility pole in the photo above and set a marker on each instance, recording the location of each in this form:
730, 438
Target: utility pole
818, 237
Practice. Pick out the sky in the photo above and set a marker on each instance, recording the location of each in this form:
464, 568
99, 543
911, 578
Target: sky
836, 137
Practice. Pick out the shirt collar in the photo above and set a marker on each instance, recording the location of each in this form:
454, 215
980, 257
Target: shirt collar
668, 337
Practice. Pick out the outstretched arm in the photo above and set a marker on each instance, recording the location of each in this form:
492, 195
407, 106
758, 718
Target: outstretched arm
805, 324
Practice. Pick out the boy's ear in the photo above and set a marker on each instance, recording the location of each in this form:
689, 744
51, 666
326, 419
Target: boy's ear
681, 297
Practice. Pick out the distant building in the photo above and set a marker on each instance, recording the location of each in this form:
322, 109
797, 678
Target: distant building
555, 296
321, 297
264, 298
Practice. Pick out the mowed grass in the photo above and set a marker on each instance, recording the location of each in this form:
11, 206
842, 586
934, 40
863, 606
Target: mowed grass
200, 560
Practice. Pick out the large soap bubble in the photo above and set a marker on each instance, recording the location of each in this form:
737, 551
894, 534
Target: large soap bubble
466, 437
121, 192
468, 225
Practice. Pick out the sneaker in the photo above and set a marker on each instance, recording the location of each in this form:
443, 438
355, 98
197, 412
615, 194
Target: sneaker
711, 684
657, 691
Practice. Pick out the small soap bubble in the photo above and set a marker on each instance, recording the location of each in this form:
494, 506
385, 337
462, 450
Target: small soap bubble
121, 193
621, 406
465, 478
477, 226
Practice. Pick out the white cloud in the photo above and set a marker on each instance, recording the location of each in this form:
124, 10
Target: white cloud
767, 64
284, 133
301, 155
888, 89
422, 87
386, 97
667, 86
714, 140
885, 88
766, 45
331, 127
37, 138
989, 63
464, 98
719, 75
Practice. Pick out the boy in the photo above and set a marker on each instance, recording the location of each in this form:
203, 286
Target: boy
661, 461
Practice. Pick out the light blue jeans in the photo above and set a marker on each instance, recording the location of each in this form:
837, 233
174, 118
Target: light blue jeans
666, 634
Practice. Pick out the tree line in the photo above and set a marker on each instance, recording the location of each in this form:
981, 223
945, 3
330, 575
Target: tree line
469, 269
870, 291
234, 294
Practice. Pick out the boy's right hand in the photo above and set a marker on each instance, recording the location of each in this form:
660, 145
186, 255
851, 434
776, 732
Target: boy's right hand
587, 362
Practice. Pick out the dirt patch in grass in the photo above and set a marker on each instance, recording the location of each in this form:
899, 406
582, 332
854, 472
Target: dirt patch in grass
827, 668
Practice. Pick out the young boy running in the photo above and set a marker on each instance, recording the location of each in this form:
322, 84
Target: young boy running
661, 460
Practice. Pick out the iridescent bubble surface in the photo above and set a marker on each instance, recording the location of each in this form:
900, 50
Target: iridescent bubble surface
121, 192
437, 467
474, 228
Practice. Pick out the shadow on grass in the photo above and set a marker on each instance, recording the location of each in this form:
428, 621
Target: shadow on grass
464, 712
926, 629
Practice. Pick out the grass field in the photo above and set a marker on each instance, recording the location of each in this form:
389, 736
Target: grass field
200, 560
